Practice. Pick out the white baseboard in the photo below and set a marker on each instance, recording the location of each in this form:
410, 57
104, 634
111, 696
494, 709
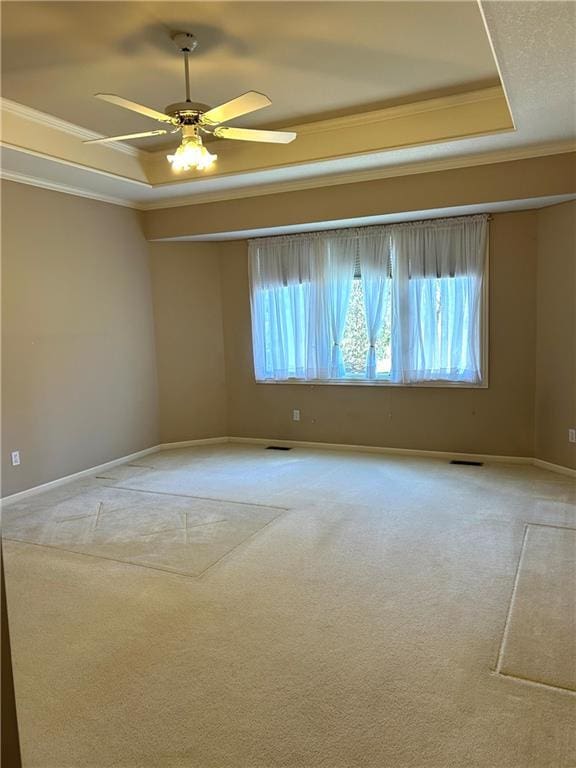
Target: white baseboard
390, 451
14, 497
291, 444
108, 465
76, 476
484, 457
554, 467
190, 443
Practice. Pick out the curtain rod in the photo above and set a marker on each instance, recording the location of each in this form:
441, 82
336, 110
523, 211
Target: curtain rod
365, 228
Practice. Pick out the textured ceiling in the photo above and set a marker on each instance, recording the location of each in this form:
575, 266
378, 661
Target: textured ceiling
311, 58
536, 47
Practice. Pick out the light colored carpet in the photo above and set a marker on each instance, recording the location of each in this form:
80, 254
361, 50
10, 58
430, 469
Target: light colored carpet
360, 628
172, 533
539, 642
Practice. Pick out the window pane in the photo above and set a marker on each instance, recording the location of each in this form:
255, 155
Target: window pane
355, 339
384, 340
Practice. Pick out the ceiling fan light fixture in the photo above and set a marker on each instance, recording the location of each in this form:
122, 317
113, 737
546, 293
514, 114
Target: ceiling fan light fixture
191, 154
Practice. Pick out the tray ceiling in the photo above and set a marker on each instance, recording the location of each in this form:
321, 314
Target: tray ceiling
311, 58
374, 89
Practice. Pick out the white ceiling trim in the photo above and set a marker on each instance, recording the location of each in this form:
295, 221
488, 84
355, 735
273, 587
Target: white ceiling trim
50, 121
360, 119
73, 164
317, 182
335, 179
21, 178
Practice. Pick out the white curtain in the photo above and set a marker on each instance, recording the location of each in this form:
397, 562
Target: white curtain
300, 289
375, 266
338, 262
282, 274
437, 298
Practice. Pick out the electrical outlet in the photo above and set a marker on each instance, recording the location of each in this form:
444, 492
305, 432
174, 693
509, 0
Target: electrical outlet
15, 456
572, 435
295, 415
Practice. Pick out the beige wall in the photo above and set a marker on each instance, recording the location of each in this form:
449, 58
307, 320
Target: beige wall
514, 180
556, 340
78, 356
496, 420
188, 315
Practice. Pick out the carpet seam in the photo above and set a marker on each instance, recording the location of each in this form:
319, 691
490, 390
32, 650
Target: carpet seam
202, 498
553, 525
539, 683
519, 678
506, 629
99, 557
252, 535
143, 565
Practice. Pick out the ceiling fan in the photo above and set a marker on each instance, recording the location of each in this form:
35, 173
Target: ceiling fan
193, 120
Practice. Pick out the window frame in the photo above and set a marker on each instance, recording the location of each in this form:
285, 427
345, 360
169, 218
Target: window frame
431, 383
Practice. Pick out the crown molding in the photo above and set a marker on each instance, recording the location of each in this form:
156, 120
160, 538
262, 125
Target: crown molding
22, 178
50, 121
347, 122
407, 169
74, 164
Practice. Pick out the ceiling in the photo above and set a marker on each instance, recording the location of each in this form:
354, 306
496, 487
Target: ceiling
310, 58
374, 89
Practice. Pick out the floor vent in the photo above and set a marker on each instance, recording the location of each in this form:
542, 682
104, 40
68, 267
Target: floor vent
468, 463
278, 448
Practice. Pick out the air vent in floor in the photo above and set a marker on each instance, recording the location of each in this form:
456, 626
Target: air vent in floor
468, 463
278, 448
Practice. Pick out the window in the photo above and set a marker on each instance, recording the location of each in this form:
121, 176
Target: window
394, 304
355, 341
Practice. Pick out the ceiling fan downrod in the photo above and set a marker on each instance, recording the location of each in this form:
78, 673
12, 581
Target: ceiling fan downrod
186, 43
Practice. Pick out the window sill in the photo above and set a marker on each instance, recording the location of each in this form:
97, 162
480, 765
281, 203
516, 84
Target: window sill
437, 384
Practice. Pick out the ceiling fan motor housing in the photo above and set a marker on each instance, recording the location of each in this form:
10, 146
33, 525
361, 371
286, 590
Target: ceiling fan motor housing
187, 112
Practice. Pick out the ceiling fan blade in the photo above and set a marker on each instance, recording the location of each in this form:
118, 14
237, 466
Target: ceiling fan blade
241, 105
134, 107
248, 134
159, 132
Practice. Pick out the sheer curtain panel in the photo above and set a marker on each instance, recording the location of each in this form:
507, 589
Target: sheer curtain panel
437, 300
376, 271
338, 262
300, 289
